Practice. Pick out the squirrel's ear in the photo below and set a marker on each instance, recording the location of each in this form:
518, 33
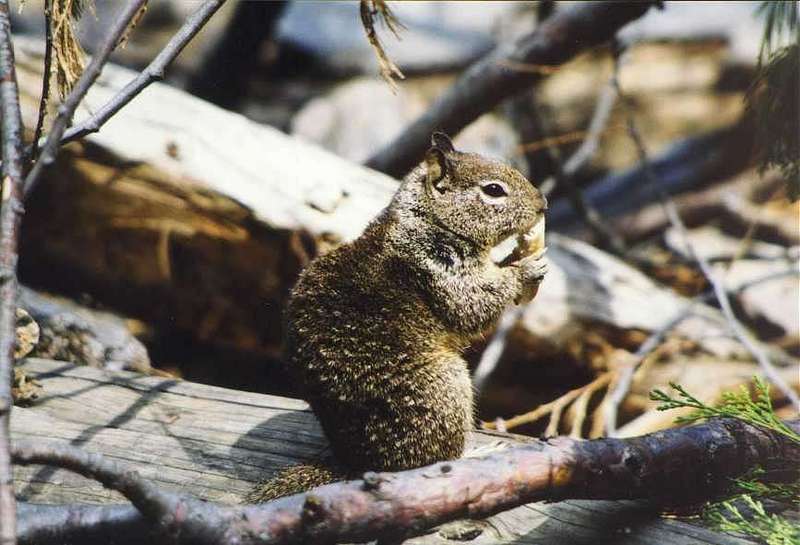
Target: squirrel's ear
442, 142
436, 166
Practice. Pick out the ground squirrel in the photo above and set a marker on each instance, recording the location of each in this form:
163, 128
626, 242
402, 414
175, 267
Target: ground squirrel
376, 328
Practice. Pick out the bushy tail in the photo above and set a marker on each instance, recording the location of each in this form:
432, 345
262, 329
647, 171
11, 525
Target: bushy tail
294, 480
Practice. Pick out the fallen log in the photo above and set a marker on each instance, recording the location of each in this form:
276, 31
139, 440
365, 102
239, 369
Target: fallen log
214, 444
190, 231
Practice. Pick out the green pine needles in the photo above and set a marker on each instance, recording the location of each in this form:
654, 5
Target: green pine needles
769, 528
773, 97
744, 513
780, 24
756, 410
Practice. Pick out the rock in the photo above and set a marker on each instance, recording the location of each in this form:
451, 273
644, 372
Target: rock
69, 332
27, 331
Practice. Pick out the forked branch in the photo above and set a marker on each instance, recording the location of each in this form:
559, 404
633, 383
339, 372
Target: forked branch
398, 505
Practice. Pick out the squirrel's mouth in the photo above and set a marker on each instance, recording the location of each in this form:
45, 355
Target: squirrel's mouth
518, 245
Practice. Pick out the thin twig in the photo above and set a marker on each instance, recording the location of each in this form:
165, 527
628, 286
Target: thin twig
67, 109
46, 80
587, 149
154, 72
529, 68
617, 394
553, 407
552, 142
582, 405
10, 217
736, 326
565, 175
145, 496
369, 9
721, 294
623, 383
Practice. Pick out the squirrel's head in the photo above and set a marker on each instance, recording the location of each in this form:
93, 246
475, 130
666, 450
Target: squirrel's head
476, 198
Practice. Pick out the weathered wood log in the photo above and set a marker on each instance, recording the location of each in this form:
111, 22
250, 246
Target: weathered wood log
215, 444
187, 215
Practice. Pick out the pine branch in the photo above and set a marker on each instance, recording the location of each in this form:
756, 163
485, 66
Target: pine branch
757, 411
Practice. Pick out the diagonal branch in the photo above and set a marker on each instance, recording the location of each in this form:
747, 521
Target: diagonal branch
46, 84
70, 104
154, 72
623, 383
565, 175
10, 218
399, 505
491, 80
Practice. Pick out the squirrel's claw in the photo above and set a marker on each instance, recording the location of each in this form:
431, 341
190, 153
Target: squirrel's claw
532, 271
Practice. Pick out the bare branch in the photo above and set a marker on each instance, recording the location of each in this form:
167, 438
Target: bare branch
399, 505
144, 496
154, 72
591, 140
490, 81
616, 395
565, 175
744, 336
10, 218
67, 109
623, 383
46, 79
552, 408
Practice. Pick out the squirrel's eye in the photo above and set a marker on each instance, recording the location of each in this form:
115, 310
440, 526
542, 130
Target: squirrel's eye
494, 190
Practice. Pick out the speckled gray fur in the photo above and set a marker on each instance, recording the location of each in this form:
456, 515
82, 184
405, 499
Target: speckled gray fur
376, 328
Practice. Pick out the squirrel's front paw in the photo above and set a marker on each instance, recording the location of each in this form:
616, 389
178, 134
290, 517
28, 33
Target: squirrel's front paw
532, 270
